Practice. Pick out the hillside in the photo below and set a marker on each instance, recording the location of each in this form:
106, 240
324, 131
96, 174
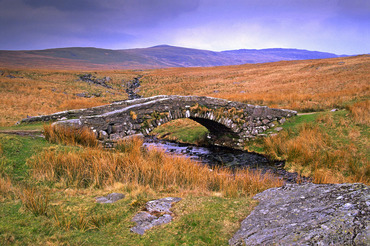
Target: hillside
147, 58
49, 186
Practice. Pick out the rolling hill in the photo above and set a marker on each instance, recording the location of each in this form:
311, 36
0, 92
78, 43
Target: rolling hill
143, 58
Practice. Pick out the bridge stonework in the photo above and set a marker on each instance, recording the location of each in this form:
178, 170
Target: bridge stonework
229, 123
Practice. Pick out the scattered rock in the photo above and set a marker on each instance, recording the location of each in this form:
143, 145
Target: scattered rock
278, 129
111, 198
83, 94
92, 79
282, 120
132, 88
158, 213
162, 205
308, 214
334, 109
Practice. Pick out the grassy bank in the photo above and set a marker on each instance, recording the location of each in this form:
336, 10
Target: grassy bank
47, 188
47, 193
330, 147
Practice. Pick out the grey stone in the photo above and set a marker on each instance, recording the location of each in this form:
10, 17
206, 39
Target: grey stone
278, 129
114, 120
265, 121
308, 214
161, 205
282, 120
111, 198
146, 220
103, 135
92, 79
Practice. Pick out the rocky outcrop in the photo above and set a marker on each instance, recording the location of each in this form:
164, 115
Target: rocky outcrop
133, 88
309, 214
157, 213
94, 80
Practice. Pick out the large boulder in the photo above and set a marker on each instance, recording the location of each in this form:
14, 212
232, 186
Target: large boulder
308, 214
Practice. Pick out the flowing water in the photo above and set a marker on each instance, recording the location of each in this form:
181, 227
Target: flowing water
226, 157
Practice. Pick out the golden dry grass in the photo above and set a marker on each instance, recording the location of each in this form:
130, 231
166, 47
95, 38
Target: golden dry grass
39, 92
66, 135
315, 153
309, 85
6, 188
35, 201
95, 167
361, 112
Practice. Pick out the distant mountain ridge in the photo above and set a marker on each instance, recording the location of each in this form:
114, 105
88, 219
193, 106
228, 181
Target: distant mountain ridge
160, 56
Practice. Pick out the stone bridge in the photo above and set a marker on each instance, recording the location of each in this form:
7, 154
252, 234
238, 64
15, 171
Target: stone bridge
229, 123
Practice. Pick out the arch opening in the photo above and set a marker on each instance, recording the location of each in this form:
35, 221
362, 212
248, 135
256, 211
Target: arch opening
182, 130
196, 131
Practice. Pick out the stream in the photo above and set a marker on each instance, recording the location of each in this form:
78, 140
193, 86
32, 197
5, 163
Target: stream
226, 157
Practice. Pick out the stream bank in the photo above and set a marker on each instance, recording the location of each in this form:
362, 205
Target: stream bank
227, 157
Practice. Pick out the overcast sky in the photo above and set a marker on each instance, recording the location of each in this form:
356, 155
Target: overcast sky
337, 26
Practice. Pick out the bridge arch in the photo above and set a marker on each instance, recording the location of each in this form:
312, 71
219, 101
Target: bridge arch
230, 123
222, 130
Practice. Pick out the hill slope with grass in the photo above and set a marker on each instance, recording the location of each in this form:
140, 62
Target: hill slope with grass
48, 186
154, 57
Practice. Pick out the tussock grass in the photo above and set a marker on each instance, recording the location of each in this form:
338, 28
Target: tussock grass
82, 220
94, 167
7, 189
360, 112
315, 151
35, 201
68, 135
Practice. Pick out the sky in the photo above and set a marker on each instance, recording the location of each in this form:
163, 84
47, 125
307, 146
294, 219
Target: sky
336, 26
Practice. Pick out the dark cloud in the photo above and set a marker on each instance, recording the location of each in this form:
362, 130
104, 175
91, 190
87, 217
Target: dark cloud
64, 5
212, 24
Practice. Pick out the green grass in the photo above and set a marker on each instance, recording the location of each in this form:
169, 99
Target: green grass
328, 146
38, 126
16, 151
73, 218
183, 130
197, 220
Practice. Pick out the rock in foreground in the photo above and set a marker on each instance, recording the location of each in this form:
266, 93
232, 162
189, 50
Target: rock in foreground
309, 214
158, 213
111, 198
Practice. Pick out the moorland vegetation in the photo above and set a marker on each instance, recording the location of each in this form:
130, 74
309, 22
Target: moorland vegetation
47, 186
